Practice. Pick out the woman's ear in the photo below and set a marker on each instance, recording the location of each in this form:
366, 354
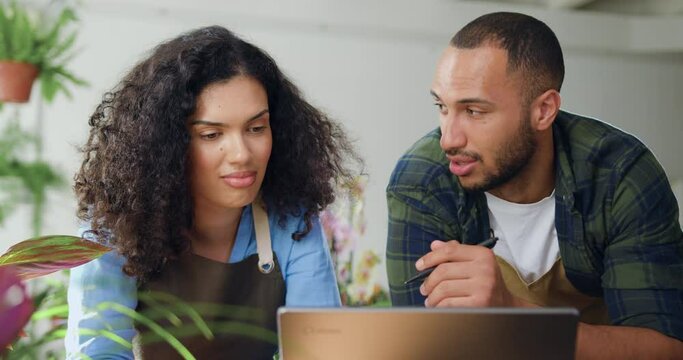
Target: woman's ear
544, 109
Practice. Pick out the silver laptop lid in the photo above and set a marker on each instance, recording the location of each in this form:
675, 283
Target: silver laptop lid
418, 333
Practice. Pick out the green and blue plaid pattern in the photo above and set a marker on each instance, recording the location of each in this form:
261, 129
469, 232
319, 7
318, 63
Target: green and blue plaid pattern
616, 219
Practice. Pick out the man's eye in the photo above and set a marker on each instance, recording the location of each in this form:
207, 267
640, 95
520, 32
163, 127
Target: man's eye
473, 112
439, 106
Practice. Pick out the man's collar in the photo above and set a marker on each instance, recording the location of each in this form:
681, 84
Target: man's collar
565, 184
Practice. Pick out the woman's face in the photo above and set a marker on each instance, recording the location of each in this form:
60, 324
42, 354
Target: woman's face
230, 143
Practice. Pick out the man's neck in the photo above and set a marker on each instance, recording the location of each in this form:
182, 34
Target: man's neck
536, 181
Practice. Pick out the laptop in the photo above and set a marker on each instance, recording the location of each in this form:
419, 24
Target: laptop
419, 333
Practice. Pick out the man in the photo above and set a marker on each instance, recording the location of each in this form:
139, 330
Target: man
584, 214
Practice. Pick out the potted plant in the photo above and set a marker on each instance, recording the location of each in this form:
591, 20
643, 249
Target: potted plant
29, 48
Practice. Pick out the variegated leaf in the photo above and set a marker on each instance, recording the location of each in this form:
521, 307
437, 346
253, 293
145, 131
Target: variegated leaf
44, 255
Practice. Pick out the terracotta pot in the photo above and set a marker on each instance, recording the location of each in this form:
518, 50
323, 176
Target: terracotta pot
16, 80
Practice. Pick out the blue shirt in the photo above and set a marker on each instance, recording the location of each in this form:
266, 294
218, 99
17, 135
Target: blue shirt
306, 266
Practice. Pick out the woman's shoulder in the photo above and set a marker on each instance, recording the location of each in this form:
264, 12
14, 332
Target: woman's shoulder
283, 229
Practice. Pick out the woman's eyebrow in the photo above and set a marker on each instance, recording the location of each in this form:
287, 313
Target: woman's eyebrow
261, 113
206, 122
213, 123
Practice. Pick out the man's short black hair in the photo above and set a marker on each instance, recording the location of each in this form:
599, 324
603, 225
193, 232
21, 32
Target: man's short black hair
531, 46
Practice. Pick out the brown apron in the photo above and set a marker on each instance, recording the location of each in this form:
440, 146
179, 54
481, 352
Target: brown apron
255, 283
553, 289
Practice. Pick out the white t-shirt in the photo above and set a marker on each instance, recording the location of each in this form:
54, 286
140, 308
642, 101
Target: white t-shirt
526, 233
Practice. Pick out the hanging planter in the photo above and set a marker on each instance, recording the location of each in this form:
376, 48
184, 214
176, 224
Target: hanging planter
34, 44
16, 81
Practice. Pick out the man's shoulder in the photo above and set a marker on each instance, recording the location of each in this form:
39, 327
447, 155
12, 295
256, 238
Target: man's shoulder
591, 142
590, 133
422, 165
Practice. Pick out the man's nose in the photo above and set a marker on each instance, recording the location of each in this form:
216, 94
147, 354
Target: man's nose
452, 133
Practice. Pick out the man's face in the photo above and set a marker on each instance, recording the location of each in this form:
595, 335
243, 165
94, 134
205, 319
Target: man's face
485, 121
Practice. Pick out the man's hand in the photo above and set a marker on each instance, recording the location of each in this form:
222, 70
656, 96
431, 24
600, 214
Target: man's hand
465, 275
468, 275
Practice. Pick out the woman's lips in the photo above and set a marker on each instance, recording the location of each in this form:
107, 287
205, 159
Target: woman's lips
240, 179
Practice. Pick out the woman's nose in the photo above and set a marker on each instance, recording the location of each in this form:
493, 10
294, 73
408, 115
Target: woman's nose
236, 150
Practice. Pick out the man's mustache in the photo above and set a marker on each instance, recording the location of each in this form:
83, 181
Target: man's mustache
461, 152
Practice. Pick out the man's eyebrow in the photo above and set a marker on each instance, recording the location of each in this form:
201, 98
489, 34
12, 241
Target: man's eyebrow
213, 123
474, 101
465, 101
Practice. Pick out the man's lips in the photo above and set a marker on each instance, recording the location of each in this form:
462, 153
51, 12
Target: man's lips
240, 179
462, 165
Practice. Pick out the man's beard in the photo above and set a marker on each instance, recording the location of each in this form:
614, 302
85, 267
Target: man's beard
511, 159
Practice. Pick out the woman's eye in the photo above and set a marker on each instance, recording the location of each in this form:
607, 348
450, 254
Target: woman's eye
257, 129
209, 136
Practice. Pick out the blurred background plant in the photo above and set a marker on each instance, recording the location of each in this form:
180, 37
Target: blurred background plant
33, 259
36, 41
49, 302
39, 36
36, 36
344, 224
15, 307
23, 181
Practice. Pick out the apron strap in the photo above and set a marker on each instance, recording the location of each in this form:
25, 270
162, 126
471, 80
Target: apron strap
263, 244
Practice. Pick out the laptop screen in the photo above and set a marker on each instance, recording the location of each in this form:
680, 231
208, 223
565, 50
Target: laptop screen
419, 333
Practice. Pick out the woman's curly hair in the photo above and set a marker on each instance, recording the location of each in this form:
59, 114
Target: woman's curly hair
132, 186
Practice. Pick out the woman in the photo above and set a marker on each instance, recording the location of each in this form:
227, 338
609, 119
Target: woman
203, 159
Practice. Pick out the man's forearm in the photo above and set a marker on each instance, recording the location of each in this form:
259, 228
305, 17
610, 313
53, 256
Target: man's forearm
620, 342
624, 342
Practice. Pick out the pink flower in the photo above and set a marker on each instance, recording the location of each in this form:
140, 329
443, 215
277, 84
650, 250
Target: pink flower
16, 306
343, 275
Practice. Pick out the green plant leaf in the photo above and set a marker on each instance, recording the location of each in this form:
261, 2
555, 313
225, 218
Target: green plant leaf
22, 35
156, 328
49, 47
45, 43
49, 86
4, 34
61, 70
60, 310
218, 327
155, 298
60, 49
47, 254
26, 348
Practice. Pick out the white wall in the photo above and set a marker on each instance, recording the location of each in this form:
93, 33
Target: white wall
370, 66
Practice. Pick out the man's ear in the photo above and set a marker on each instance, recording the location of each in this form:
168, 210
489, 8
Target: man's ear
544, 109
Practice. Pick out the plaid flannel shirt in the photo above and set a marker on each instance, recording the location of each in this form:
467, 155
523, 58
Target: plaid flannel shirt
615, 214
